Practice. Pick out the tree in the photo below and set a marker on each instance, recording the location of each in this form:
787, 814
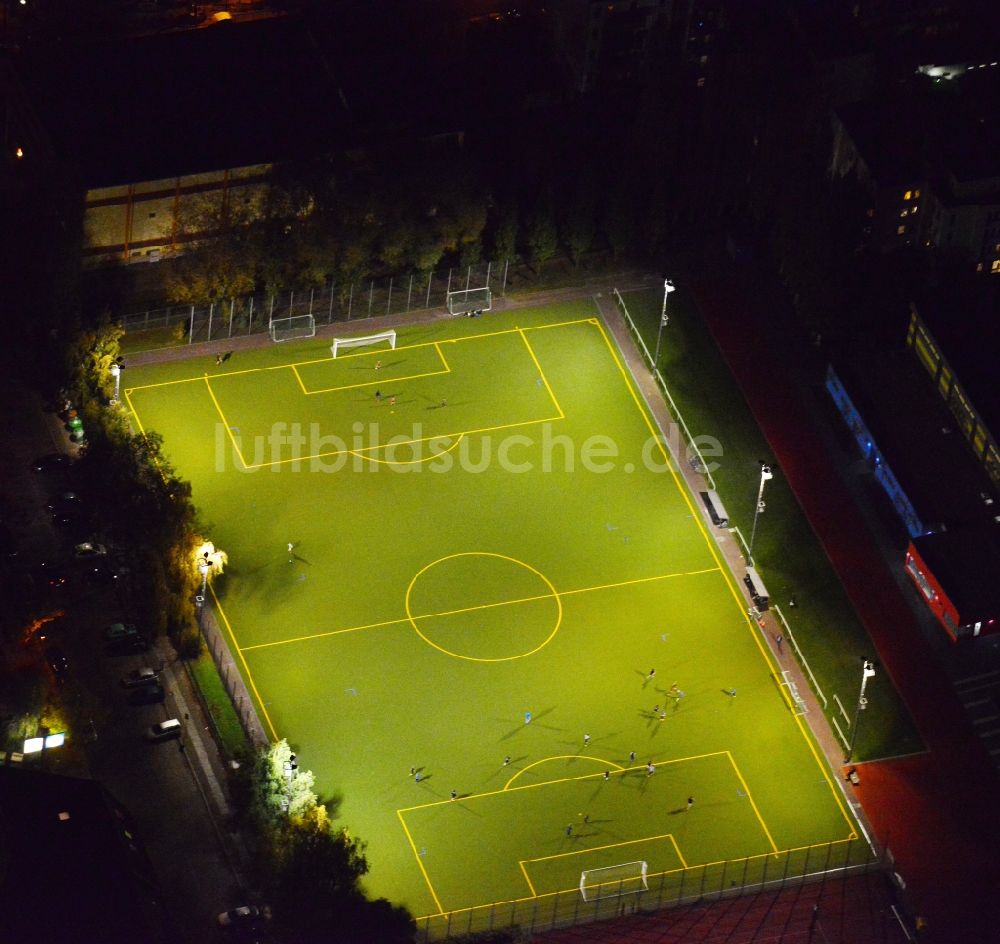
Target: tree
505, 233
542, 238
580, 226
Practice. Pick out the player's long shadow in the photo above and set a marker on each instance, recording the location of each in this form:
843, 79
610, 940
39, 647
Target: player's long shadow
534, 721
301, 559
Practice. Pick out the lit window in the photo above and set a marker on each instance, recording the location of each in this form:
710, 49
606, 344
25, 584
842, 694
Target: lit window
900, 229
908, 195
995, 268
904, 213
19, 153
915, 208
701, 81
916, 194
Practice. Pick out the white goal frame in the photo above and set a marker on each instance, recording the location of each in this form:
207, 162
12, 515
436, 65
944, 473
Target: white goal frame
340, 343
292, 328
626, 884
467, 300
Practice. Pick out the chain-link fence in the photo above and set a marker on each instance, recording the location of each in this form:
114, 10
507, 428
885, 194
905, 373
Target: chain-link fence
328, 303
670, 889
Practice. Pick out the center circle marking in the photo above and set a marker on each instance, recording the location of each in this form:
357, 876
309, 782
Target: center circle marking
552, 593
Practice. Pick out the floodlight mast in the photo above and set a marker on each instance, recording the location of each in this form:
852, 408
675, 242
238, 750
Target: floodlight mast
765, 476
116, 372
668, 287
867, 672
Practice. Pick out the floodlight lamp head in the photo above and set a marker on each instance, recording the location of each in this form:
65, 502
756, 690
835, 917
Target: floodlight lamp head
765, 472
116, 369
668, 286
869, 669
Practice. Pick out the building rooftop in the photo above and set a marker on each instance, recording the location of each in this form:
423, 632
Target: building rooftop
965, 323
228, 95
71, 871
917, 436
959, 560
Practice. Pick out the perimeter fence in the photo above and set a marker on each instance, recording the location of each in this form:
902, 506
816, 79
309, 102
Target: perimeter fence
696, 884
175, 325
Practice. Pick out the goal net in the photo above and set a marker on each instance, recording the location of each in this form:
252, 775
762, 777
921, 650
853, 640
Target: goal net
339, 344
613, 881
296, 326
470, 299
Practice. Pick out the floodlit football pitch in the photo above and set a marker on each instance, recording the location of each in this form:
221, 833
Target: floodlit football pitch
485, 525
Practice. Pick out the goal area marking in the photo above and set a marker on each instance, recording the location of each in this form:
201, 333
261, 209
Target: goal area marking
639, 770
436, 345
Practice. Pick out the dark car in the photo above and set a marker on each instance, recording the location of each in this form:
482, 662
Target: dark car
58, 662
143, 676
127, 646
51, 462
147, 695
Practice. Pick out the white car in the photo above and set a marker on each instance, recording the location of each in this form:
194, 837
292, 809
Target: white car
164, 730
88, 550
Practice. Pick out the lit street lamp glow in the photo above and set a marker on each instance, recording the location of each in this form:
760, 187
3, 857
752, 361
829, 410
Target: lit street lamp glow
116, 372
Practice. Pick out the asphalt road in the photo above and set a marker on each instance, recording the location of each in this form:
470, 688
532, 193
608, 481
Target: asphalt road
172, 789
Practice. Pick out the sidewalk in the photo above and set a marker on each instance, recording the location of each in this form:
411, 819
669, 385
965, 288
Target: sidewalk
936, 812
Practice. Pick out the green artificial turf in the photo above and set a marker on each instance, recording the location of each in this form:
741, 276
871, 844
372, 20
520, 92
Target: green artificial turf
823, 622
220, 705
437, 592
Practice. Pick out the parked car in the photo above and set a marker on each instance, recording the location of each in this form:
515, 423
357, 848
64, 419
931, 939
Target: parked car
128, 646
88, 550
164, 730
147, 695
143, 676
58, 662
120, 631
51, 462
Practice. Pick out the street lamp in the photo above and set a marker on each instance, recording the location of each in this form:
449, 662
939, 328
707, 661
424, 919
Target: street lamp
668, 287
204, 566
116, 372
867, 672
765, 476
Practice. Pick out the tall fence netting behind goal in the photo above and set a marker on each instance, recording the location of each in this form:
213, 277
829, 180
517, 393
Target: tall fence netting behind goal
613, 881
470, 300
288, 329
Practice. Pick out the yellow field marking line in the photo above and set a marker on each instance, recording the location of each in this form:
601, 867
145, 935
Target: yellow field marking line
416, 855
407, 442
549, 783
246, 668
606, 764
133, 411
481, 606
611, 845
374, 383
713, 549
298, 377
332, 632
753, 804
541, 373
390, 462
650, 875
403, 347
225, 424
